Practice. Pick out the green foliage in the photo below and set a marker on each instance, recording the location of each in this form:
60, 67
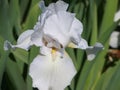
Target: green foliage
17, 16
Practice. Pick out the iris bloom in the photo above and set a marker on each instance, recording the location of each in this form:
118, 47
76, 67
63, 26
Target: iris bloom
56, 29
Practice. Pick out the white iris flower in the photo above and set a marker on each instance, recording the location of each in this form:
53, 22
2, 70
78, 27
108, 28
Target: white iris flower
56, 29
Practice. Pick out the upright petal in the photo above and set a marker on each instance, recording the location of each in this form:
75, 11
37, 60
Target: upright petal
59, 27
48, 11
42, 6
24, 41
76, 28
75, 35
61, 5
49, 74
58, 6
36, 37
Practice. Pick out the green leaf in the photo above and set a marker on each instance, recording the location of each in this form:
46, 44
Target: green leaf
107, 78
32, 16
113, 84
14, 17
108, 17
5, 28
80, 58
71, 53
29, 83
23, 7
34, 51
79, 10
94, 23
15, 76
3, 58
14, 12
105, 36
21, 54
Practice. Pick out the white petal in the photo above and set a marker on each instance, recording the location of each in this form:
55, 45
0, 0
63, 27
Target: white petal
117, 16
58, 6
76, 28
36, 38
92, 51
45, 50
82, 44
24, 41
114, 39
37, 26
48, 11
78, 42
41, 20
75, 32
25, 35
42, 6
61, 5
49, 74
58, 26
7, 45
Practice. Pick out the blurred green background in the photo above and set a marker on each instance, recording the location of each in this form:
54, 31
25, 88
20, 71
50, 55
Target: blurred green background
97, 17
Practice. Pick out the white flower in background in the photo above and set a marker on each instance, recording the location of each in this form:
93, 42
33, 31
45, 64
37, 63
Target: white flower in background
115, 36
117, 16
114, 39
56, 29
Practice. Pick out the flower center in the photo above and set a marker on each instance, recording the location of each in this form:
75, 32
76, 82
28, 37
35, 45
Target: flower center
53, 51
54, 54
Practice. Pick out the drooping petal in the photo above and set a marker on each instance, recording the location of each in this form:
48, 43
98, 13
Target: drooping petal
93, 50
24, 41
90, 50
78, 42
7, 45
49, 74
